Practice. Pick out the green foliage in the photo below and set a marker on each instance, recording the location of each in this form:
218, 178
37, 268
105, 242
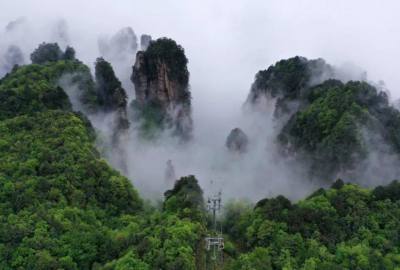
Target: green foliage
151, 118
128, 261
69, 53
28, 90
186, 199
46, 52
109, 89
391, 192
172, 242
346, 227
260, 258
59, 200
35, 88
51, 52
288, 79
173, 55
61, 205
327, 118
328, 129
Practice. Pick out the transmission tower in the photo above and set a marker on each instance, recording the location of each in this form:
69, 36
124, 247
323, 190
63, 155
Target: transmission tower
215, 241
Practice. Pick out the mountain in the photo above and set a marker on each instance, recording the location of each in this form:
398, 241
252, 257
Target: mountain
163, 99
62, 206
329, 125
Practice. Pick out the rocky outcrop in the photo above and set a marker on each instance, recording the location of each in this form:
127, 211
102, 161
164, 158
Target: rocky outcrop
237, 141
161, 82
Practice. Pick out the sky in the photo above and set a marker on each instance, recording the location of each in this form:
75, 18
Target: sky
228, 41
231, 40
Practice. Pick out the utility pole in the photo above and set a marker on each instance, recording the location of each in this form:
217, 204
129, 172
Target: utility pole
215, 241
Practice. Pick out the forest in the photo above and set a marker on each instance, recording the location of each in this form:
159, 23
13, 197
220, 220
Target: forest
64, 206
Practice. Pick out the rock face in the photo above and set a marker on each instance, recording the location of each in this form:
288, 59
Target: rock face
161, 82
237, 141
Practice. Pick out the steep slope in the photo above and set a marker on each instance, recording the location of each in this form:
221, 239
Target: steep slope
330, 126
161, 81
62, 206
60, 201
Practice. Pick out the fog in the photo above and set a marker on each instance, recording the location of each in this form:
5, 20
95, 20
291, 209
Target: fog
226, 43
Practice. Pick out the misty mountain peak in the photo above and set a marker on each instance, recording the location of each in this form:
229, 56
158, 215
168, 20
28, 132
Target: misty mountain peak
161, 80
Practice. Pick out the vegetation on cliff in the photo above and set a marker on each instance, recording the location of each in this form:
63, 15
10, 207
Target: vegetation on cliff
173, 55
329, 124
163, 99
63, 207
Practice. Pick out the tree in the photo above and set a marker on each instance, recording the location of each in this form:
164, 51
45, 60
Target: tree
69, 53
46, 52
111, 94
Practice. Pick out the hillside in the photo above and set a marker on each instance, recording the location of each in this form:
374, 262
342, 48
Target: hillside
62, 206
331, 127
343, 227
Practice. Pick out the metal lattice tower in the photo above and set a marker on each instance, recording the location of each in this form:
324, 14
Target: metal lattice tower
215, 241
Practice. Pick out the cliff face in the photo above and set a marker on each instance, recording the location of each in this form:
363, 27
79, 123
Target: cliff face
160, 89
161, 79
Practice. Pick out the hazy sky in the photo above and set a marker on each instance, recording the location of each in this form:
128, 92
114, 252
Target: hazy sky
228, 41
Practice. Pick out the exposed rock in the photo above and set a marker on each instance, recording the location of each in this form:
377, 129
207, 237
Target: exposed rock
161, 82
237, 141
145, 41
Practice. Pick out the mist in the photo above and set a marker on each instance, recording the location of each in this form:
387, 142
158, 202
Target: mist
226, 43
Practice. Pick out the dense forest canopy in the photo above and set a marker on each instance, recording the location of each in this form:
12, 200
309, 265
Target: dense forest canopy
332, 125
62, 206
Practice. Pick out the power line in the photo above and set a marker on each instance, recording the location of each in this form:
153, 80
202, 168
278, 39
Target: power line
215, 241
